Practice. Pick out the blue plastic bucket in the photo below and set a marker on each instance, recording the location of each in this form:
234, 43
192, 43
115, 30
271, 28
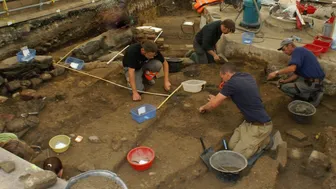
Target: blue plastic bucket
101, 173
143, 113
247, 37
75, 63
24, 59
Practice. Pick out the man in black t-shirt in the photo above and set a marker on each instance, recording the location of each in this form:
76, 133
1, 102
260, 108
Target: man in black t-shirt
144, 61
253, 135
207, 38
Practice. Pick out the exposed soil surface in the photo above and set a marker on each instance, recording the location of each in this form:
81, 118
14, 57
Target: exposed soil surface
84, 106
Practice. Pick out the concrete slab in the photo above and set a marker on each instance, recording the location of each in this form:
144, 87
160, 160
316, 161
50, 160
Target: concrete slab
267, 41
22, 167
296, 134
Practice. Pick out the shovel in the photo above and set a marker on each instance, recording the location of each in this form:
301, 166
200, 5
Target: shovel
206, 154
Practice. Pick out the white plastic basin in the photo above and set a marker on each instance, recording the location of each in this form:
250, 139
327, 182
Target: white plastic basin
193, 86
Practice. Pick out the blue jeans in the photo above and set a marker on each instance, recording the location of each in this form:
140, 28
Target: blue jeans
152, 65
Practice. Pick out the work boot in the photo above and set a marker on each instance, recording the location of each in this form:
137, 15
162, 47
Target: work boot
189, 53
317, 99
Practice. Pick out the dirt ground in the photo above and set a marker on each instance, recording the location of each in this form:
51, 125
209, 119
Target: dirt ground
83, 106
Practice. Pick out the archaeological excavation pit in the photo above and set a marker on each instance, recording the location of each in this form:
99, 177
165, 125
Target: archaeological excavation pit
43, 99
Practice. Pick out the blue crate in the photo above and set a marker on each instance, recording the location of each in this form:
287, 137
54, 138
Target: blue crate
25, 59
149, 113
79, 62
247, 37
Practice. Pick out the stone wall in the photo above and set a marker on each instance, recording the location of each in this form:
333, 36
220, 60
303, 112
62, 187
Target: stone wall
47, 33
274, 60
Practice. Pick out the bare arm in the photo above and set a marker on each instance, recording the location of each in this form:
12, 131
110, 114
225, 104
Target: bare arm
291, 78
289, 69
212, 52
214, 101
166, 70
131, 73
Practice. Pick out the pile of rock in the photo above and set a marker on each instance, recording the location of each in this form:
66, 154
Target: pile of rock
22, 118
16, 77
150, 32
100, 45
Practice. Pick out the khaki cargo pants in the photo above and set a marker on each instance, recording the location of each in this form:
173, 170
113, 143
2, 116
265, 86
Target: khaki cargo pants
249, 139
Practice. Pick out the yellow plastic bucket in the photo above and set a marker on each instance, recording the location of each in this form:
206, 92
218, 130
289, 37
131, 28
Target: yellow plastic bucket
60, 143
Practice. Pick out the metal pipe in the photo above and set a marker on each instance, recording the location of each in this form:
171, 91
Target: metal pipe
26, 7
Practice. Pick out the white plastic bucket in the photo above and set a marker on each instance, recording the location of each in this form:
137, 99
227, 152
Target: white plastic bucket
193, 86
333, 45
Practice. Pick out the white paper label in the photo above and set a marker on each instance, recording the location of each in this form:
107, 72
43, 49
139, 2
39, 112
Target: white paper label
9, 23
58, 10
25, 51
74, 65
142, 110
188, 23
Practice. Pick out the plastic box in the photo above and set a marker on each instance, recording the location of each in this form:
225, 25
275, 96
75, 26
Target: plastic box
24, 59
143, 113
75, 63
324, 42
247, 37
317, 50
193, 86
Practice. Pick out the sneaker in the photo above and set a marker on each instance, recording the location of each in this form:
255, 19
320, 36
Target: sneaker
317, 99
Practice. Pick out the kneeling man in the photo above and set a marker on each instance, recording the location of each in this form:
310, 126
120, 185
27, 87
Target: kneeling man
143, 62
253, 135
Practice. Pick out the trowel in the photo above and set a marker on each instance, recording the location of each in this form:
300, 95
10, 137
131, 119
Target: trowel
206, 154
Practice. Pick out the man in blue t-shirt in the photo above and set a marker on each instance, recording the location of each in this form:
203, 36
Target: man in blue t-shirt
253, 134
306, 81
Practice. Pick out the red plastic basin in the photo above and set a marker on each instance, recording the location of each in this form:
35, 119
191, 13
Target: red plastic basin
324, 42
311, 9
314, 48
142, 153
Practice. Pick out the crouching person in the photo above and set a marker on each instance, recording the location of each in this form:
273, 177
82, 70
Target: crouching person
142, 62
253, 135
306, 81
